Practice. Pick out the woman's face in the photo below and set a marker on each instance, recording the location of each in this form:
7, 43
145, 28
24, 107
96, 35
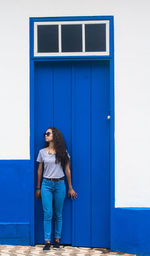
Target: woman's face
49, 137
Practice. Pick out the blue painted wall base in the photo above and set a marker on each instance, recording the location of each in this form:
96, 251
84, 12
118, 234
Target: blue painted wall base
15, 233
17, 202
130, 230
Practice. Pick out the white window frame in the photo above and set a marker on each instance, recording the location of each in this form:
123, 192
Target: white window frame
59, 53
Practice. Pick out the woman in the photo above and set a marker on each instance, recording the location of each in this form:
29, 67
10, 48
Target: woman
55, 158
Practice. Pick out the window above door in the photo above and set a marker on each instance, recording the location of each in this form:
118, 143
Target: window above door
71, 38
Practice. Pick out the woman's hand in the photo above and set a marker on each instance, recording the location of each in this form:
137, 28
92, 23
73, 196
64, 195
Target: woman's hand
38, 194
72, 193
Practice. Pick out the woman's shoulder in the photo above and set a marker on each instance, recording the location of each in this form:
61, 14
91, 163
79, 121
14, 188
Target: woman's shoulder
41, 150
68, 153
45, 150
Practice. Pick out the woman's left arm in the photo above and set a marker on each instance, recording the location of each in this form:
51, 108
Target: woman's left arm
71, 192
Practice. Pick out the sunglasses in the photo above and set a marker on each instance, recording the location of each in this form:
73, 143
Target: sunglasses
47, 133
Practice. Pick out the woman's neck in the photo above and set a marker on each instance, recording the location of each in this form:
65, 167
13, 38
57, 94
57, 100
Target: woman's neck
51, 146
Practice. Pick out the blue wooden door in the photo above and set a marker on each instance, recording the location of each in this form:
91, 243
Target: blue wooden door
74, 97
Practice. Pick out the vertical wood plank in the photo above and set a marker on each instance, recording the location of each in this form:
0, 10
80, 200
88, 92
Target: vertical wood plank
81, 153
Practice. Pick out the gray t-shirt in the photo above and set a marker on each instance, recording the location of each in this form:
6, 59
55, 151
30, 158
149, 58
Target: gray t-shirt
51, 169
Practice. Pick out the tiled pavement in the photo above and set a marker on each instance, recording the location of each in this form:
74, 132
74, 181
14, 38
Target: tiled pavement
11, 250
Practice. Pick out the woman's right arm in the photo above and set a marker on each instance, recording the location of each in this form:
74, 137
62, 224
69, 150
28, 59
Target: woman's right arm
39, 177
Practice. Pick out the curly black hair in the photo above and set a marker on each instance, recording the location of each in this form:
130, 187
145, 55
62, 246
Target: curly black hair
59, 146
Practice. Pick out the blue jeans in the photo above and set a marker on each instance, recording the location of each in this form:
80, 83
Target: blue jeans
49, 190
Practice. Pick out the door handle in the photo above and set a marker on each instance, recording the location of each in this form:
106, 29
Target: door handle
108, 117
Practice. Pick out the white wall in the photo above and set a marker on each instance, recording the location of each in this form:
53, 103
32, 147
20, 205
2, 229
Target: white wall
132, 85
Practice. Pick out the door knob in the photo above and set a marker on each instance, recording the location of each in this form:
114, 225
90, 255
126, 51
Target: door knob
108, 117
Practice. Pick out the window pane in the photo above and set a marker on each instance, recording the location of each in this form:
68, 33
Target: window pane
95, 37
71, 38
47, 38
